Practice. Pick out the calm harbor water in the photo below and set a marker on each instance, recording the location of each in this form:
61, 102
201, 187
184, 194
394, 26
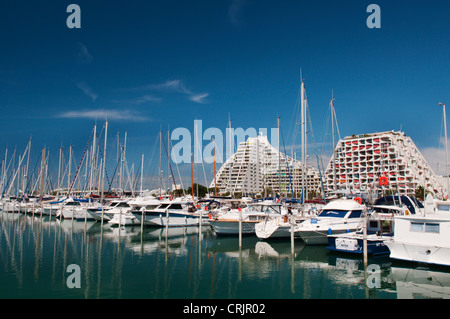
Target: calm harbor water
177, 263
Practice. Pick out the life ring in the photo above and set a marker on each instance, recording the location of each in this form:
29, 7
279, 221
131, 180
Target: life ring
170, 197
384, 181
358, 200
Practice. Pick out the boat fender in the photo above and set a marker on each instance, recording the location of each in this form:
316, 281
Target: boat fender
406, 212
330, 231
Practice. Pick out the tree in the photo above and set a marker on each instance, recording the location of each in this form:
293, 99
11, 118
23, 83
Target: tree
419, 193
202, 190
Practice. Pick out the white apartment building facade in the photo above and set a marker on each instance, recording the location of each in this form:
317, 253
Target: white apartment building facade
257, 168
358, 163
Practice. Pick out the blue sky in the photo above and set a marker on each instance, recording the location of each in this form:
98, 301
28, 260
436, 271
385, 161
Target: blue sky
147, 65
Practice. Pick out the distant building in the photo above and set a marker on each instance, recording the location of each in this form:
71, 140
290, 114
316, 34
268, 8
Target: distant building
257, 168
360, 161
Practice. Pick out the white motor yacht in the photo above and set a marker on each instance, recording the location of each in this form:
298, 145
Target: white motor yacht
425, 237
172, 213
338, 216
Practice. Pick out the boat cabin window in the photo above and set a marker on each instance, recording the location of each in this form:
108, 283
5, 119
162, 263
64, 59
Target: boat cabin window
425, 227
123, 205
270, 209
444, 207
333, 213
254, 209
73, 204
262, 209
355, 214
163, 206
176, 206
148, 207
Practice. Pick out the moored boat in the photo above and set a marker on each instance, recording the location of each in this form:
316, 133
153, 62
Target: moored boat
174, 213
228, 223
338, 216
423, 238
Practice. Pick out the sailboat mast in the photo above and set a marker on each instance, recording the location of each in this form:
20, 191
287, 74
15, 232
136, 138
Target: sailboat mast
69, 170
303, 138
42, 175
231, 155
192, 176
160, 163
279, 159
142, 172
334, 142
104, 161
446, 148
25, 177
215, 181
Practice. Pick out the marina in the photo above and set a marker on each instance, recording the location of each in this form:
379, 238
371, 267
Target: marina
192, 263
210, 153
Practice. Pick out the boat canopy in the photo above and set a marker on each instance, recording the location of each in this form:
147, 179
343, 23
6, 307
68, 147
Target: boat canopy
410, 202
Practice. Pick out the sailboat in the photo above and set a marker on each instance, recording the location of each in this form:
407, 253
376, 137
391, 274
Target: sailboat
250, 216
280, 226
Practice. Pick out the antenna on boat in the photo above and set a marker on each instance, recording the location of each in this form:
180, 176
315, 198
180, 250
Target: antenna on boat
446, 146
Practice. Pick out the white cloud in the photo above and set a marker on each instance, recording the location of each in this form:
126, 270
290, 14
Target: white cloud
199, 98
169, 86
176, 86
139, 100
104, 114
172, 85
83, 54
87, 90
235, 11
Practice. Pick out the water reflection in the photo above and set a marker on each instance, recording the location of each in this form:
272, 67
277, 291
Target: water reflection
135, 262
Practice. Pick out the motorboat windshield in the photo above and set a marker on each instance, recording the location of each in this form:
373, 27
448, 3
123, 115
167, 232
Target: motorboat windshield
340, 213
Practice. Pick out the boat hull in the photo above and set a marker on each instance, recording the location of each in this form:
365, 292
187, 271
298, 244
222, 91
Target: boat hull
354, 244
170, 219
273, 230
419, 253
231, 227
124, 219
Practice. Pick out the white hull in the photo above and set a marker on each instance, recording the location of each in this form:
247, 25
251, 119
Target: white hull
70, 213
124, 219
97, 215
173, 219
277, 227
337, 217
10, 207
419, 253
47, 210
231, 227
273, 229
